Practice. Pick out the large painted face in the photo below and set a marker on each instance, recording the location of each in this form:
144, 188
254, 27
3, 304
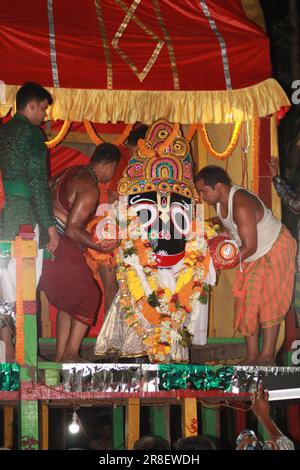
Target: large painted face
166, 217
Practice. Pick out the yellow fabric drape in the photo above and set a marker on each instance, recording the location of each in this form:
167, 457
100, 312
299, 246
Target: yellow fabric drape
186, 107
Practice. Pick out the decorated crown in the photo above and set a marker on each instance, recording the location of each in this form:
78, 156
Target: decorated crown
163, 163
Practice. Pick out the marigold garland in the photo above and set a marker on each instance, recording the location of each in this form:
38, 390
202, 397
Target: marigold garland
232, 145
60, 136
121, 139
19, 302
97, 140
191, 132
161, 308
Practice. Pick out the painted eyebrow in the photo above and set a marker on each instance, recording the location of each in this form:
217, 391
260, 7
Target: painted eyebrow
184, 204
141, 200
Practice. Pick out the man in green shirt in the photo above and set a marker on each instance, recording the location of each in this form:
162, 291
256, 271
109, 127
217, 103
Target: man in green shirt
23, 170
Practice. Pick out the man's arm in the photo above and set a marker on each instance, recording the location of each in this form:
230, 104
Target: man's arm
261, 409
84, 206
244, 214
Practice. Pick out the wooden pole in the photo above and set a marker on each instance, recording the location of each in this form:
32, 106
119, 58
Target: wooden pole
8, 426
189, 417
132, 422
44, 427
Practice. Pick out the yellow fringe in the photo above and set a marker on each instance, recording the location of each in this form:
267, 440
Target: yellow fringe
186, 107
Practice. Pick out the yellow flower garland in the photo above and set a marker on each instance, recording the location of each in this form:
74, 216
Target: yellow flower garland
232, 145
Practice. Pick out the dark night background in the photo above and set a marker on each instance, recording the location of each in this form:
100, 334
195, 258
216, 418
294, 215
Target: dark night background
282, 20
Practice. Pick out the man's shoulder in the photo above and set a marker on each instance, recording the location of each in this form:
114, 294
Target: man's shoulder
83, 181
241, 195
246, 201
25, 129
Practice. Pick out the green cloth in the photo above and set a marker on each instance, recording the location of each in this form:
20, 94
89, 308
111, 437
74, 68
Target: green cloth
23, 167
17, 188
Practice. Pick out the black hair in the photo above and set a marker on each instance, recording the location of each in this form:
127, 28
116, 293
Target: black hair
213, 174
151, 443
106, 153
137, 134
194, 443
31, 91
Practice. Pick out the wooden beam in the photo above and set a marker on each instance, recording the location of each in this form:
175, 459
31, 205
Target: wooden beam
8, 426
44, 427
132, 422
189, 417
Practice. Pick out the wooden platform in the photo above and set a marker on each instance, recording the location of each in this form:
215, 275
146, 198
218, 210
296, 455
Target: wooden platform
217, 350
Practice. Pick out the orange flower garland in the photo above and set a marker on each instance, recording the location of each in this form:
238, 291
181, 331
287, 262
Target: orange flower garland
164, 311
232, 145
60, 136
191, 132
97, 140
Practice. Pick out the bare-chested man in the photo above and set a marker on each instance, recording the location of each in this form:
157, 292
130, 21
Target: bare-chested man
263, 289
67, 280
106, 271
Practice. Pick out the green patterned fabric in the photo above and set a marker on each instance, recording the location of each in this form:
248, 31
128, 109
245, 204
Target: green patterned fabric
23, 164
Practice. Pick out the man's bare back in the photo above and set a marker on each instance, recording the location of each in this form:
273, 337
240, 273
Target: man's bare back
78, 183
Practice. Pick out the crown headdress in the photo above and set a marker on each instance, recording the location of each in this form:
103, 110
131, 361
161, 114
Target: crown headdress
163, 163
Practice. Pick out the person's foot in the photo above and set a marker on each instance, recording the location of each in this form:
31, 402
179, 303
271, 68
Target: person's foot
248, 361
265, 361
72, 358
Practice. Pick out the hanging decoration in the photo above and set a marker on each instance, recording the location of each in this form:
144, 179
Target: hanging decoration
60, 136
180, 379
164, 312
97, 140
232, 145
191, 132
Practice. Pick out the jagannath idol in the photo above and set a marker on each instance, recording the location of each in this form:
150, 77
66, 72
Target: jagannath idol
165, 263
